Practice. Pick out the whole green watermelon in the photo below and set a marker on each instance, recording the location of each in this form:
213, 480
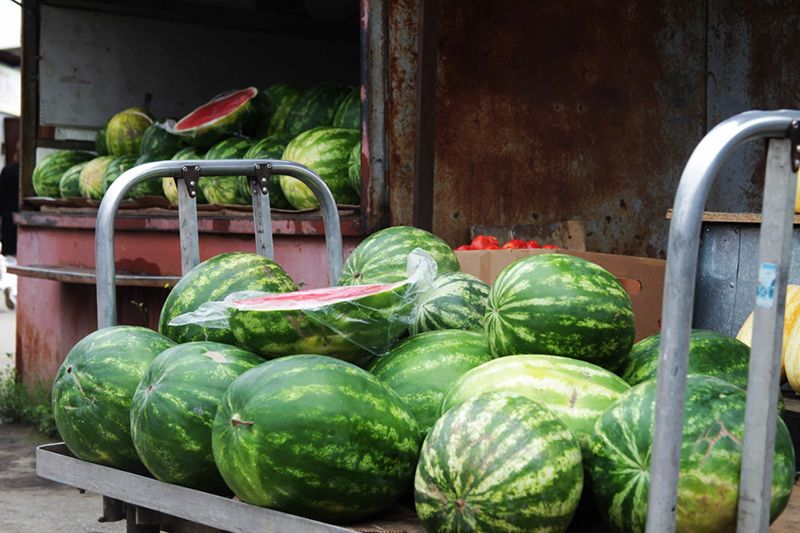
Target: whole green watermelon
315, 107
93, 389
174, 406
270, 147
273, 105
499, 462
48, 171
558, 304
383, 256
576, 391
711, 452
227, 189
316, 437
156, 138
124, 131
100, 145
168, 186
326, 151
213, 280
70, 184
229, 113
348, 114
354, 168
455, 301
115, 169
422, 368
92, 175
151, 187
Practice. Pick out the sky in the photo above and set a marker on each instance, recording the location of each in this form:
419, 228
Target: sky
9, 24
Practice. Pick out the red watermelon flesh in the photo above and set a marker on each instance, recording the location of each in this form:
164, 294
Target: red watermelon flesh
312, 298
217, 108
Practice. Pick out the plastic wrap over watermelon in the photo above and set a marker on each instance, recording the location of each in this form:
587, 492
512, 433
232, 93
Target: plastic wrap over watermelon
353, 322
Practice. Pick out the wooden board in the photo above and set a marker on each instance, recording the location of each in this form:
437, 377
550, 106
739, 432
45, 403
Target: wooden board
734, 218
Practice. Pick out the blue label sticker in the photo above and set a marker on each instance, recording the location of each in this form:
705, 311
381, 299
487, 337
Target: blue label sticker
765, 288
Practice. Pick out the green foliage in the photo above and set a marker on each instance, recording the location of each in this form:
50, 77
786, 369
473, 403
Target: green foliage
20, 405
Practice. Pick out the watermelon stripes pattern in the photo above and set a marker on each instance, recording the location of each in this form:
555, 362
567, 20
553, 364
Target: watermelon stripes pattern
455, 301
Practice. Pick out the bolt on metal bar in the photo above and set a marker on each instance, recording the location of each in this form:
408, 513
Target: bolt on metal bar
262, 221
679, 286
187, 217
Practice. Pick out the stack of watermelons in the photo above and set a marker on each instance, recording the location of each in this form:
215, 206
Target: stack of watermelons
520, 407
318, 127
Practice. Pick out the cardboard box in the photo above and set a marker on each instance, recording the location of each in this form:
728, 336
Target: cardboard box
642, 277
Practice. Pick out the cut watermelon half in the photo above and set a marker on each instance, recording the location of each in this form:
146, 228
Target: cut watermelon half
230, 113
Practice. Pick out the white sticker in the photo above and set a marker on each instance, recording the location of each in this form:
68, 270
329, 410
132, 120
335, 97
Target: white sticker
765, 289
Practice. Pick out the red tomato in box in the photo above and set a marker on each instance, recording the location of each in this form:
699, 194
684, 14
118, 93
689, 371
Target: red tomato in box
514, 244
483, 242
532, 244
464, 247
550, 247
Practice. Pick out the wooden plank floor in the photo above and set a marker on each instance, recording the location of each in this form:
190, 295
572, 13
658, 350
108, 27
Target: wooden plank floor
789, 520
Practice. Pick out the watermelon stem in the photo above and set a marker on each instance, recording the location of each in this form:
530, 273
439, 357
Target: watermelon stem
236, 421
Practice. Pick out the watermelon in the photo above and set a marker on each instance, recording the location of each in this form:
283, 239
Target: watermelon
350, 323
48, 172
422, 368
711, 452
151, 187
558, 304
270, 147
125, 130
157, 139
70, 184
92, 175
93, 389
316, 437
168, 186
273, 105
100, 145
326, 151
499, 462
115, 169
455, 301
576, 391
315, 107
383, 256
348, 114
213, 280
354, 168
174, 406
227, 189
224, 115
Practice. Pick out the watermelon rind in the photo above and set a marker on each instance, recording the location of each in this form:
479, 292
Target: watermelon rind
326, 151
354, 168
316, 437
348, 114
115, 169
214, 127
100, 145
92, 175
70, 184
230, 190
48, 172
710, 458
174, 406
158, 139
124, 131
499, 462
383, 256
315, 107
92, 393
168, 186
150, 187
273, 105
270, 147
456, 300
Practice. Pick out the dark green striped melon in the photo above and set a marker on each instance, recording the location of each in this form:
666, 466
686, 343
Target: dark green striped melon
92, 176
93, 389
558, 304
168, 186
354, 168
348, 114
455, 301
422, 368
151, 187
576, 391
227, 189
273, 105
499, 462
157, 139
326, 151
315, 107
213, 280
115, 169
124, 131
48, 171
711, 453
383, 256
224, 115
316, 437
174, 406
270, 147
70, 184
100, 145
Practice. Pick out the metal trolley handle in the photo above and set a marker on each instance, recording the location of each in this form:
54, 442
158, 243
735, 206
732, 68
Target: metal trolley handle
781, 128
186, 173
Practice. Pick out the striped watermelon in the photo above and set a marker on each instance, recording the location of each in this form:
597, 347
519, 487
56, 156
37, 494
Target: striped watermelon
499, 462
421, 369
270, 147
619, 458
48, 172
168, 186
576, 391
227, 114
558, 304
315, 107
70, 184
326, 151
174, 406
274, 104
100, 145
151, 187
156, 139
227, 189
348, 114
93, 389
115, 168
125, 130
455, 301
316, 437
213, 280
383, 256
92, 175
354, 168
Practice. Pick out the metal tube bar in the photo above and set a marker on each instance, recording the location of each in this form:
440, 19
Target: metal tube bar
187, 218
262, 221
679, 286
775, 250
